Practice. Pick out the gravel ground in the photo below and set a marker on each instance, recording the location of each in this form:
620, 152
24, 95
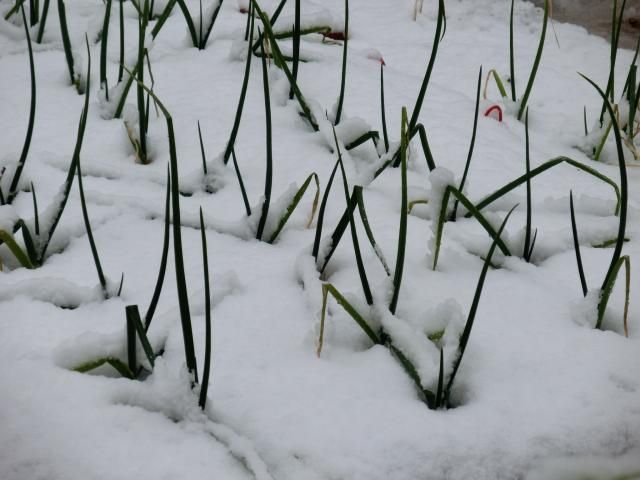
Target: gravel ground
595, 16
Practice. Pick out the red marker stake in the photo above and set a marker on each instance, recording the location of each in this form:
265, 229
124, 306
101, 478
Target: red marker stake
492, 109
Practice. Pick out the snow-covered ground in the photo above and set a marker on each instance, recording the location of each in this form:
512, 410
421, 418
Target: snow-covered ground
540, 393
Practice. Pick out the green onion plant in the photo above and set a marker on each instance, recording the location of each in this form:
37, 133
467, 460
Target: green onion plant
529, 242
440, 395
131, 368
280, 62
466, 333
207, 313
489, 199
415, 128
473, 211
266, 203
402, 231
296, 45
243, 95
617, 260
164, 257
576, 246
35, 246
269, 170
512, 70
92, 243
66, 43
383, 115
616, 24
140, 145
354, 233
199, 38
181, 282
471, 146
343, 77
243, 191
36, 16
13, 186
104, 40
536, 61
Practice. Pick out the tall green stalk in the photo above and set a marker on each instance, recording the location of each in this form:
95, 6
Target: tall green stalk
615, 258
527, 237
296, 46
103, 49
92, 242
75, 159
536, 62
243, 95
13, 187
207, 314
143, 21
181, 282
466, 333
352, 224
121, 22
471, 145
425, 82
615, 40
280, 62
33, 12
269, 169
66, 43
323, 205
243, 191
343, 79
183, 297
576, 247
43, 21
163, 260
402, 231
512, 67
383, 114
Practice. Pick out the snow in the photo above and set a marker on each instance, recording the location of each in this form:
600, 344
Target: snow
540, 393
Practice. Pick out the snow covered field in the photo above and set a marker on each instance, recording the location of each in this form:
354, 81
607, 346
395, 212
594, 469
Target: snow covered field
540, 393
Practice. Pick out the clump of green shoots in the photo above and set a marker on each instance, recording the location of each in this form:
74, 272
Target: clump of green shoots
140, 143
471, 146
475, 210
269, 172
534, 172
629, 124
131, 368
128, 81
522, 107
37, 241
92, 243
296, 45
343, 77
15, 180
617, 259
438, 396
281, 63
243, 93
183, 299
36, 15
356, 199
415, 128
66, 43
199, 37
